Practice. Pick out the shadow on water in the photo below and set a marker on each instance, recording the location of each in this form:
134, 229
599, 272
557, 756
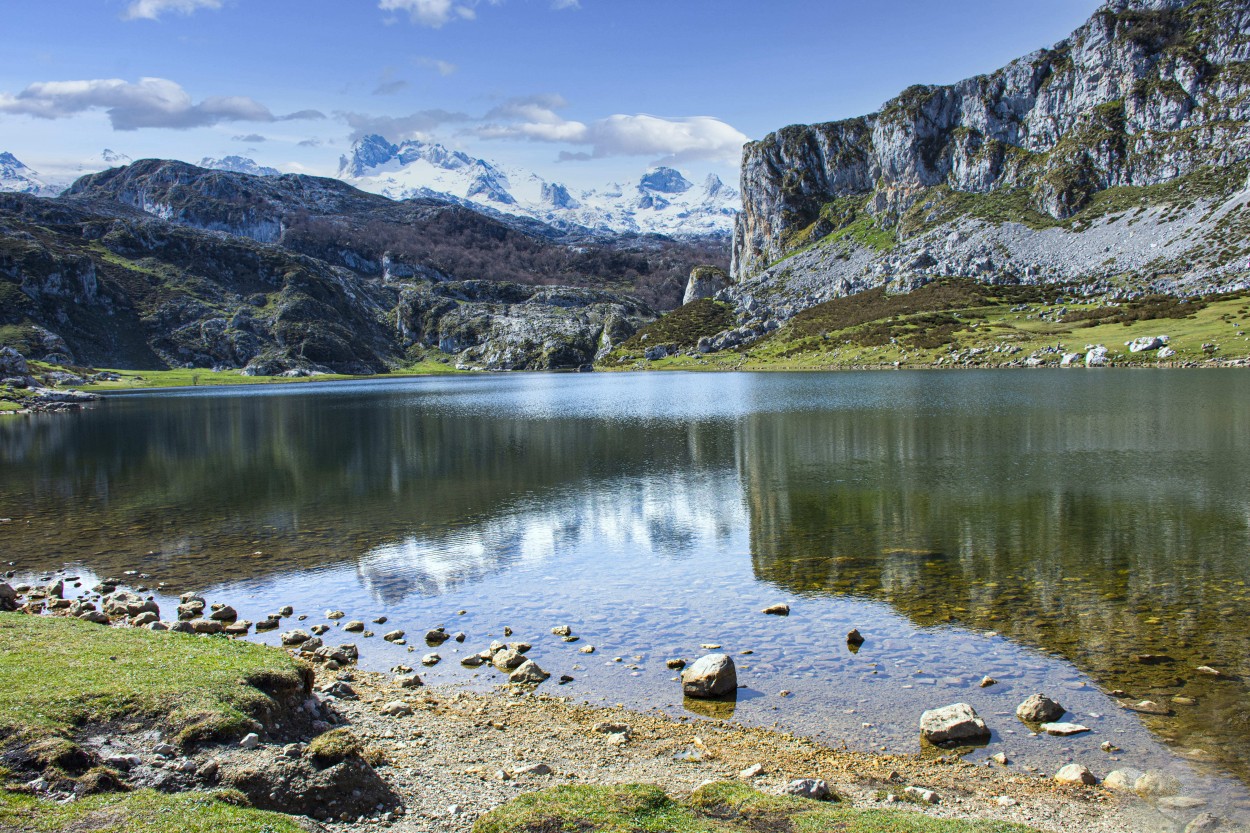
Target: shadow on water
1098, 517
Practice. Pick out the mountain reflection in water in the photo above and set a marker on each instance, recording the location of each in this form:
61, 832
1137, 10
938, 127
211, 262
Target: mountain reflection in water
1095, 516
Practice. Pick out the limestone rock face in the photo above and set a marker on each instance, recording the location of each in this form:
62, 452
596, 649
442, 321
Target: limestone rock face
1144, 92
711, 676
705, 282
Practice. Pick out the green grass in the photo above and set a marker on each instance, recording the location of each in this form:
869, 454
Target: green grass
715, 808
682, 327
919, 328
200, 377
59, 674
138, 812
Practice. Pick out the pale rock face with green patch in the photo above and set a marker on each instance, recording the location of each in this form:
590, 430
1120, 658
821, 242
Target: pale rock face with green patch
1025, 174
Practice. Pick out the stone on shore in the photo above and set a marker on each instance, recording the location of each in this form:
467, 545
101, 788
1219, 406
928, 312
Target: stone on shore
1040, 709
225, 613
295, 637
408, 681
207, 626
1076, 774
923, 795
713, 675
396, 708
528, 672
816, 789
8, 597
952, 723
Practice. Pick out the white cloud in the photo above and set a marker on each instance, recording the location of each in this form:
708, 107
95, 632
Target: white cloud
152, 102
673, 139
433, 13
396, 128
153, 9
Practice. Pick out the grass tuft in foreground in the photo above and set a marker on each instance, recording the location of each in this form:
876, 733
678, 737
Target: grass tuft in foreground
57, 675
144, 810
715, 808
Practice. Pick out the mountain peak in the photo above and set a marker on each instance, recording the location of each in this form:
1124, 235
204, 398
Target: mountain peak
368, 152
15, 175
238, 165
665, 181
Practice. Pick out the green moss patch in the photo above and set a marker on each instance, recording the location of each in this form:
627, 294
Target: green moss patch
682, 328
57, 675
720, 807
144, 810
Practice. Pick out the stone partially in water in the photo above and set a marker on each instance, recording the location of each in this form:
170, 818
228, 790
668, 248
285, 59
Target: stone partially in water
1064, 730
507, 659
1040, 709
713, 675
779, 609
528, 672
956, 722
1155, 784
1076, 774
1122, 780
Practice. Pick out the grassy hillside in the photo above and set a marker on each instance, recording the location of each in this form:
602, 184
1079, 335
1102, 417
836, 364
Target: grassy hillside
957, 322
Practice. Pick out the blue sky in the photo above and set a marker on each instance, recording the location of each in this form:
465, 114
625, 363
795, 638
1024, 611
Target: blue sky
583, 91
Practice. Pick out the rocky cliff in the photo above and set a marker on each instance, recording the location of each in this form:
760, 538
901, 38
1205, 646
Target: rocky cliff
1116, 158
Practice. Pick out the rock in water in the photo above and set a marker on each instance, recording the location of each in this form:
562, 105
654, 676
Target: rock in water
780, 609
1075, 774
953, 723
528, 672
855, 638
711, 676
1204, 823
1064, 730
1040, 709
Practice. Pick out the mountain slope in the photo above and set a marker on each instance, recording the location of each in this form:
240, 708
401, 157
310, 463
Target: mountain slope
16, 177
162, 264
1116, 159
661, 202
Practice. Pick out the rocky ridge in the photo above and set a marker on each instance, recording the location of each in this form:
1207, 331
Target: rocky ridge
1116, 160
163, 264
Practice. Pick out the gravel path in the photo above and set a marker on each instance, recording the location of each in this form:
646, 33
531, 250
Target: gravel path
460, 754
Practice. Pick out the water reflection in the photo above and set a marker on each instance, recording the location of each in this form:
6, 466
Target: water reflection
1095, 516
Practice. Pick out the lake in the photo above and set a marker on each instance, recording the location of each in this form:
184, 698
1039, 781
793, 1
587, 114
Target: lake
1044, 528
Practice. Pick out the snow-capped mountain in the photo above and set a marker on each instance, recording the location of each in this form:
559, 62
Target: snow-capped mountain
663, 201
16, 176
102, 161
239, 165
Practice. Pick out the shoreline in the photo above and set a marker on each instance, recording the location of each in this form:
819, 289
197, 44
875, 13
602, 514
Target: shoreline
450, 755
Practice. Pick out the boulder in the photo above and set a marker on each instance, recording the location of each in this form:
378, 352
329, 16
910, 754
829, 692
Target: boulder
1076, 774
396, 708
206, 626
295, 637
1122, 780
8, 596
528, 672
225, 613
507, 659
814, 788
124, 603
1155, 784
1145, 343
780, 609
1096, 355
713, 675
1040, 709
953, 723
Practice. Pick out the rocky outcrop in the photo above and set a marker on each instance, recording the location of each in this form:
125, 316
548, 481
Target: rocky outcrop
1145, 93
705, 282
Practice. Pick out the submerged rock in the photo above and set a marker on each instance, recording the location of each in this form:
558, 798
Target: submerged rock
1040, 709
